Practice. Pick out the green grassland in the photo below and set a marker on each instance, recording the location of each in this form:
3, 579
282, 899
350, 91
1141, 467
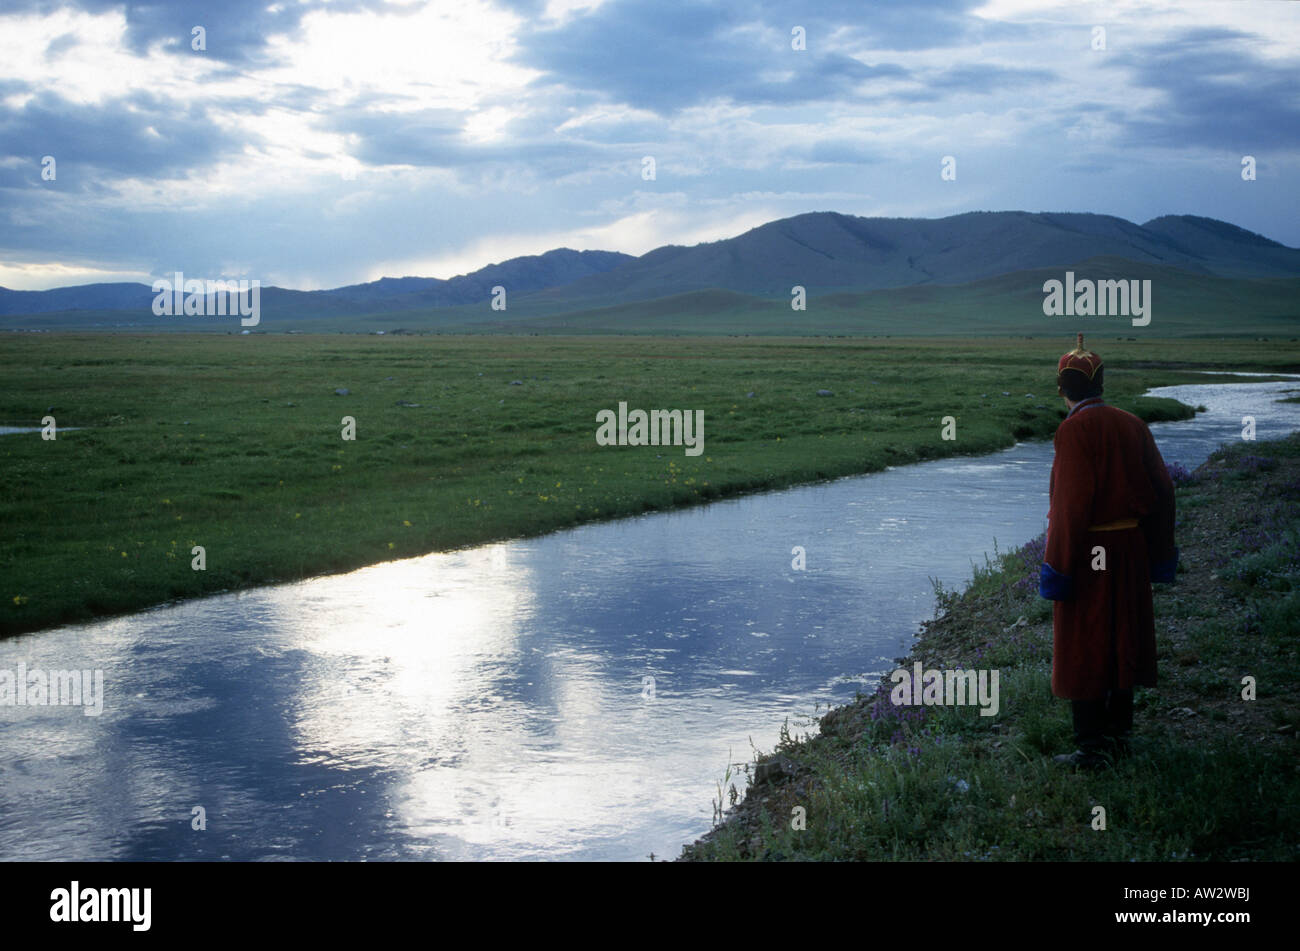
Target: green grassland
234, 442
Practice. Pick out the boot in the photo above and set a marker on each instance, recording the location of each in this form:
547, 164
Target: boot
1083, 759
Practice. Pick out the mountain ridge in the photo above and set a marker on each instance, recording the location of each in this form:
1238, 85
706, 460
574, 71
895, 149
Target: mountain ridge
521, 274
823, 251
832, 251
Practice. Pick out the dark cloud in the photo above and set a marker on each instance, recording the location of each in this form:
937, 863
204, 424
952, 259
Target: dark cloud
663, 59
60, 44
1217, 93
971, 79
137, 135
237, 30
524, 8
434, 138
830, 77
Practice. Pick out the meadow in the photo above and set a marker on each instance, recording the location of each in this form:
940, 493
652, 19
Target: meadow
234, 443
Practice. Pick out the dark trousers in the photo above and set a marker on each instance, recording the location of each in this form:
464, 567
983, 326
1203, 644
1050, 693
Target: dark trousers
1099, 723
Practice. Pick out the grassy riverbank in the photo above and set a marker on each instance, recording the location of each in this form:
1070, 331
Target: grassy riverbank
1212, 776
233, 443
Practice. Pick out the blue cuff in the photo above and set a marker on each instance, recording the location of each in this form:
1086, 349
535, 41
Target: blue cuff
1162, 572
1053, 585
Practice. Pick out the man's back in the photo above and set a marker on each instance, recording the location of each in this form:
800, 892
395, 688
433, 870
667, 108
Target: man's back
1128, 477
1110, 534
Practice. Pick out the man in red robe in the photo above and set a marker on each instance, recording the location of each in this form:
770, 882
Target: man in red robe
1110, 534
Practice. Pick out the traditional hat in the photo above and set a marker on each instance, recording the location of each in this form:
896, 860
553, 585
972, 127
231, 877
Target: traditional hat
1084, 361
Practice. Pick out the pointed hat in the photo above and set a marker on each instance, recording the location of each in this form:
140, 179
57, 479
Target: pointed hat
1084, 361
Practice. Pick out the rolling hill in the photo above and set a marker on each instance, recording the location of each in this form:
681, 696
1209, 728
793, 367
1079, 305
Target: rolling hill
823, 251
520, 275
978, 272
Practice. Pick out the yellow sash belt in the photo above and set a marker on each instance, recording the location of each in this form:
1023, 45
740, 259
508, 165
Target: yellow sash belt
1115, 526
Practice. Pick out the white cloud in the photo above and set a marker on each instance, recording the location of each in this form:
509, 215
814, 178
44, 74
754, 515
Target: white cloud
97, 65
438, 56
20, 276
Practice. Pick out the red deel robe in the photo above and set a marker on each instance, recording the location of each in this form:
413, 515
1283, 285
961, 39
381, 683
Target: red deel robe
1107, 469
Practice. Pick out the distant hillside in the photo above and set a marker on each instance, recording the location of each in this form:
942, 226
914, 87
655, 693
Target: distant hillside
1183, 305
970, 273
824, 251
121, 296
519, 275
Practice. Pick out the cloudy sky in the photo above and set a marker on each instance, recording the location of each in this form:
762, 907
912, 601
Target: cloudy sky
314, 143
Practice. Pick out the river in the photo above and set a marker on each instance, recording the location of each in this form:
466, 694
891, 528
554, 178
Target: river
495, 703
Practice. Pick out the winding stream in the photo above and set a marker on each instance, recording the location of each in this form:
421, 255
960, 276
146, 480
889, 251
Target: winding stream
492, 703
